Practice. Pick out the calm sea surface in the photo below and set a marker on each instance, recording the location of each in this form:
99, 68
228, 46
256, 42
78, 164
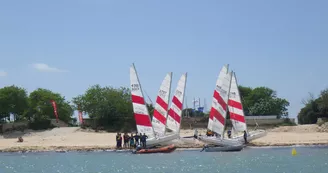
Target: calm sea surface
250, 160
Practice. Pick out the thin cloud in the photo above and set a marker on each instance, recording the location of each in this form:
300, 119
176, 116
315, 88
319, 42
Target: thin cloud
3, 73
46, 68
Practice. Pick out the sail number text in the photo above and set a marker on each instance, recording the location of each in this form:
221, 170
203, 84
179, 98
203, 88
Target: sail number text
162, 93
135, 87
222, 92
178, 93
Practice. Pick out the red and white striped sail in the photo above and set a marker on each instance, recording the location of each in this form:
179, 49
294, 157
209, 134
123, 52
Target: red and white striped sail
213, 110
236, 111
161, 106
140, 110
219, 104
175, 112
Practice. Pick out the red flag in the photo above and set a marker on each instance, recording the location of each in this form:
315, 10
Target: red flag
80, 117
55, 108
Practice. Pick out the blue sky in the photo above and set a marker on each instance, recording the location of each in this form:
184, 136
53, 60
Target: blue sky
67, 46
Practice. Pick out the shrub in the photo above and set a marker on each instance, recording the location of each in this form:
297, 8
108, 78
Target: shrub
40, 125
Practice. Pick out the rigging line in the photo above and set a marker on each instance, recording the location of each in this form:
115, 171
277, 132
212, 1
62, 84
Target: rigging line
149, 98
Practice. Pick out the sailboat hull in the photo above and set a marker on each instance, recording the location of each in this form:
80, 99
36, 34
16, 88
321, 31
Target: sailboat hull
161, 141
224, 149
251, 136
218, 141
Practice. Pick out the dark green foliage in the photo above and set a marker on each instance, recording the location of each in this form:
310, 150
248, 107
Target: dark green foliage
40, 124
110, 107
314, 109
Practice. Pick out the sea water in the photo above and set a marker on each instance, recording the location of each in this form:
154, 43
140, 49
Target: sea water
249, 160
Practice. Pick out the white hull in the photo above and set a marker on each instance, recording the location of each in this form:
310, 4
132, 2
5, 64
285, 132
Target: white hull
160, 141
218, 141
224, 149
251, 136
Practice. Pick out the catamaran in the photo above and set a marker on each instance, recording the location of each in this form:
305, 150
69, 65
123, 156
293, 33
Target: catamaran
237, 115
141, 113
160, 116
217, 117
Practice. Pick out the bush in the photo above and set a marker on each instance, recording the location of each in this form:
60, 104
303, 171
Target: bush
288, 122
40, 125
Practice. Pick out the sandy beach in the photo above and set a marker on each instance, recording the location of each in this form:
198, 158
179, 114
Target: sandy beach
75, 138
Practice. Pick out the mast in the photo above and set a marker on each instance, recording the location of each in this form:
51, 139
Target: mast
225, 122
184, 92
168, 107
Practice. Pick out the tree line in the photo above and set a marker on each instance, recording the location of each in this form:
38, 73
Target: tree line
111, 107
258, 101
314, 108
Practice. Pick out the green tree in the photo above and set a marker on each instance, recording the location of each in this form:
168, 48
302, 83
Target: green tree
150, 108
245, 93
110, 107
323, 103
40, 107
263, 101
13, 101
309, 113
270, 106
314, 108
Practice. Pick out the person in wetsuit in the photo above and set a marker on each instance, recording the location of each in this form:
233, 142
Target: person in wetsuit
120, 140
138, 148
137, 137
229, 133
196, 134
131, 140
245, 137
117, 139
125, 140
143, 140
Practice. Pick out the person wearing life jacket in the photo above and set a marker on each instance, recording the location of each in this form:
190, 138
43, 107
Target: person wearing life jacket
208, 133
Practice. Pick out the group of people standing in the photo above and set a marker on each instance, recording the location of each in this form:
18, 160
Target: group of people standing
131, 141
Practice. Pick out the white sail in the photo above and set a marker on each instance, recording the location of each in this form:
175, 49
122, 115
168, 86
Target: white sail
213, 110
140, 109
175, 112
236, 111
219, 104
161, 106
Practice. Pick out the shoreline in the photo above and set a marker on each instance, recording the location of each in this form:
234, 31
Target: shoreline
64, 149
76, 139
